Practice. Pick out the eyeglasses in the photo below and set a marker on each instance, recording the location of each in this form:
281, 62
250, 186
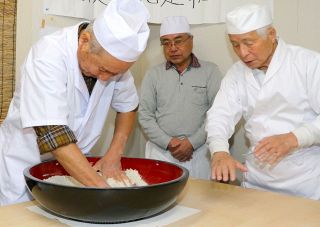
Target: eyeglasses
177, 42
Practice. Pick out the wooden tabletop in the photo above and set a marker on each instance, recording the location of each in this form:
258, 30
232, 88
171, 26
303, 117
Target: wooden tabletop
221, 205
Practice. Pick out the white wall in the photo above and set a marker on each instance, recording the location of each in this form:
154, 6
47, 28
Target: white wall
296, 21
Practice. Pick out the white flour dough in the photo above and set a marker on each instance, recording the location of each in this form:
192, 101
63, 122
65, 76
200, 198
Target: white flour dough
132, 174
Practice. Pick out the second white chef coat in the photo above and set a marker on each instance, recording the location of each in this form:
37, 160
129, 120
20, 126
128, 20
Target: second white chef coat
288, 100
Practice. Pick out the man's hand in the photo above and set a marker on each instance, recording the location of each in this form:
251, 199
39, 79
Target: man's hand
273, 149
181, 149
110, 167
224, 167
174, 143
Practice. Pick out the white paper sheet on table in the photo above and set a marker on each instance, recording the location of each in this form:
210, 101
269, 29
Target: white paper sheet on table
175, 214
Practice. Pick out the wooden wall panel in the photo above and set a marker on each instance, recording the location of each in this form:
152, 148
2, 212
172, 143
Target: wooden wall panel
7, 54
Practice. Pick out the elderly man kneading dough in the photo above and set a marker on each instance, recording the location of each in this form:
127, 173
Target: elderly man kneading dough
68, 82
275, 88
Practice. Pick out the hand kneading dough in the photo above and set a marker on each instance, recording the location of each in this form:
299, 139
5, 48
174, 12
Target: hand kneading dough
133, 175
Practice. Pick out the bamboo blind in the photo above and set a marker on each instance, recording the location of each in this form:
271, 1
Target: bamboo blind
7, 53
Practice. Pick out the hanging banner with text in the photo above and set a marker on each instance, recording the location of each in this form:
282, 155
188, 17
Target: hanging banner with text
197, 11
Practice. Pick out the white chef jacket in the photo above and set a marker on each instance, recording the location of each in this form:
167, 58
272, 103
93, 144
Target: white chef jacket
53, 92
288, 100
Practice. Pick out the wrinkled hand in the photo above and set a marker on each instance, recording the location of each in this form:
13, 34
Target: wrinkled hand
110, 167
174, 143
224, 166
273, 149
181, 149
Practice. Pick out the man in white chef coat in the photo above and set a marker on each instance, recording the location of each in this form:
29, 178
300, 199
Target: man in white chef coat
275, 88
68, 82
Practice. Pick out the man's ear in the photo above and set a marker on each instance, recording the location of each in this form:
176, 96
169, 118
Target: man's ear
84, 38
272, 33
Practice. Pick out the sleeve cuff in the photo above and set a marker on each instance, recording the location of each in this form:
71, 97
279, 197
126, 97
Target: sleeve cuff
195, 142
55, 137
304, 136
217, 146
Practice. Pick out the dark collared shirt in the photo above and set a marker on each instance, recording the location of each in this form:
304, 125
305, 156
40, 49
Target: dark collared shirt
194, 63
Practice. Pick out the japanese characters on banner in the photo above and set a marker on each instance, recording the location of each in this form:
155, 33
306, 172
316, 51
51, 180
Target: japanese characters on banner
197, 11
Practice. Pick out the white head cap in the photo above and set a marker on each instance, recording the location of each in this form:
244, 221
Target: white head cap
174, 25
248, 18
122, 29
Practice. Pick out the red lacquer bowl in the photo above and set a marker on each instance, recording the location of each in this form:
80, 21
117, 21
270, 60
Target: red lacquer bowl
111, 205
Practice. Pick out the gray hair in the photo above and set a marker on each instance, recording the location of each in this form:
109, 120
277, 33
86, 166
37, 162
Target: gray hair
263, 32
95, 46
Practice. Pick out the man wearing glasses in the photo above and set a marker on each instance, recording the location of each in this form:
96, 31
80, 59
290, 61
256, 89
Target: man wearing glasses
175, 97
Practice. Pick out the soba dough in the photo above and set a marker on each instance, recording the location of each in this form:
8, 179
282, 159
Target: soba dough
133, 175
